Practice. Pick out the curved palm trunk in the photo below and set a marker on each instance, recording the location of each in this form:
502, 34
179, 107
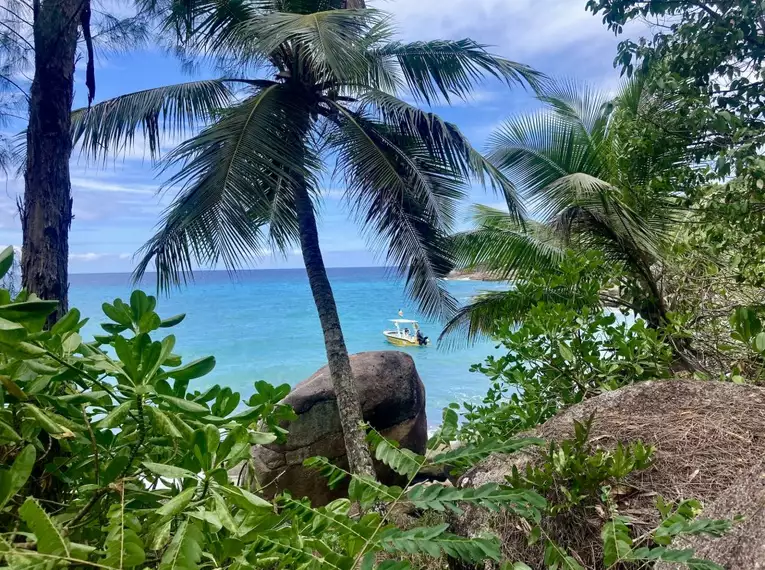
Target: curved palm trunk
349, 407
47, 211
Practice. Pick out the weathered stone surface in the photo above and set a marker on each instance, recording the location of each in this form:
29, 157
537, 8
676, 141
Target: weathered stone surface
393, 402
707, 435
744, 547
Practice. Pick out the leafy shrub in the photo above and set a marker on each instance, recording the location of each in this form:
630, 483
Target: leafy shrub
112, 462
563, 351
583, 485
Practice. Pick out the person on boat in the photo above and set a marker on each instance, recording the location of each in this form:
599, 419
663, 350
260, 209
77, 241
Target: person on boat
406, 331
421, 338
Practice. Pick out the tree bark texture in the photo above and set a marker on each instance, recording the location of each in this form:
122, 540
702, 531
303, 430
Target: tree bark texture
46, 214
359, 458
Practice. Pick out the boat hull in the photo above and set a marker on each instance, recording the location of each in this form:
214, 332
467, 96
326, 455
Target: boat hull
398, 341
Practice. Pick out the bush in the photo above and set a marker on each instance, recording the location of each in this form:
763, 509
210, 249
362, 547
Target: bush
562, 352
112, 462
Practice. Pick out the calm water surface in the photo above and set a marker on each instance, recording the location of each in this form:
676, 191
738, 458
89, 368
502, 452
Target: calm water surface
263, 326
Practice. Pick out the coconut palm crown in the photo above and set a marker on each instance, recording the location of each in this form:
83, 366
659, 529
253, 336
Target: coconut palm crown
596, 173
312, 86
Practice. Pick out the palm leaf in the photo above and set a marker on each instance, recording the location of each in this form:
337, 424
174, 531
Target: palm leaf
231, 174
579, 103
327, 45
445, 141
405, 199
111, 127
505, 248
442, 69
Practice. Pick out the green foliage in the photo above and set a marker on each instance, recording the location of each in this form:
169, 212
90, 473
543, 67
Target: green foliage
599, 177
710, 55
112, 460
576, 473
562, 347
619, 547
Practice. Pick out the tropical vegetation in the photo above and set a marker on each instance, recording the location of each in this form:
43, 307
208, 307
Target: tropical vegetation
110, 461
630, 239
324, 92
50, 39
595, 177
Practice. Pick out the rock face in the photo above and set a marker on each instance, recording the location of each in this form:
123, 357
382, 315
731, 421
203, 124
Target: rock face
393, 402
743, 548
707, 435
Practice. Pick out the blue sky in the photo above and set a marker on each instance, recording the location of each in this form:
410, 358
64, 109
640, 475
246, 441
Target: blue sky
116, 205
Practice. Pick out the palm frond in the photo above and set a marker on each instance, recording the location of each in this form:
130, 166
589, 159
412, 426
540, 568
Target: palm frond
504, 247
536, 150
445, 141
441, 69
328, 44
579, 103
110, 128
230, 176
405, 199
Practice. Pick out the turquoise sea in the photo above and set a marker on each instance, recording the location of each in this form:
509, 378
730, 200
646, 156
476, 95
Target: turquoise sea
262, 325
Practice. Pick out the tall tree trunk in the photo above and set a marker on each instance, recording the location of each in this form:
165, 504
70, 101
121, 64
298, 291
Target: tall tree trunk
359, 458
46, 215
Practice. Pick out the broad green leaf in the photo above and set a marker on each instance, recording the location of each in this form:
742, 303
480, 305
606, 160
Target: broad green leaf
7, 432
49, 538
161, 536
193, 370
80, 551
185, 405
262, 438
565, 352
6, 260
118, 314
169, 471
28, 310
184, 550
222, 510
250, 502
759, 342
116, 417
67, 323
172, 321
45, 422
177, 503
17, 475
71, 343
13, 388
11, 332
162, 423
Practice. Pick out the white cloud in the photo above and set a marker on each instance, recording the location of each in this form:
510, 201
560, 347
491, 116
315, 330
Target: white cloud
86, 256
517, 27
124, 256
96, 185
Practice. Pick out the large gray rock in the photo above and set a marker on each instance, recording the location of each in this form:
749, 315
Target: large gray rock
393, 402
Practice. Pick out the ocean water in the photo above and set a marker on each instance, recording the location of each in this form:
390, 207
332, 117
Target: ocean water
262, 325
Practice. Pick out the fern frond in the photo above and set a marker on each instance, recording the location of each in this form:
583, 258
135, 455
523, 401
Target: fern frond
435, 541
527, 504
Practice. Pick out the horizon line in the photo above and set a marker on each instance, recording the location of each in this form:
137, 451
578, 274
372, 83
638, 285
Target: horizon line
235, 272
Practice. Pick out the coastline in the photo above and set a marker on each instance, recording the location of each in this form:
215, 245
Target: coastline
472, 275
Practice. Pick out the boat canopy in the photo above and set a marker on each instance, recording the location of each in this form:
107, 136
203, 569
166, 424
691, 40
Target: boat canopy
404, 322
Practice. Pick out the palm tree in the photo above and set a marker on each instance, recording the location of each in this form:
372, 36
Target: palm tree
324, 95
597, 174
